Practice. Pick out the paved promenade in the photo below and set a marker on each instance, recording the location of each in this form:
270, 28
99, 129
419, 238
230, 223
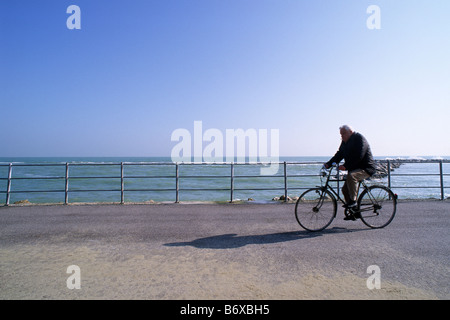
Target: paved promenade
219, 251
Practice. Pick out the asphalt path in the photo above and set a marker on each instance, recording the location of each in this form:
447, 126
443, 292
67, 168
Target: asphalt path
414, 250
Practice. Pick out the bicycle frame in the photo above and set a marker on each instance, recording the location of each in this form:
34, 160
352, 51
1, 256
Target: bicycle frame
327, 186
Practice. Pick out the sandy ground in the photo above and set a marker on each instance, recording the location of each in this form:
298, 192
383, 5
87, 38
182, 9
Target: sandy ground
167, 260
40, 272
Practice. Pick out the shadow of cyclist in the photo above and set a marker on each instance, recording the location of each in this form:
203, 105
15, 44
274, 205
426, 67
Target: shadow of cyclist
232, 240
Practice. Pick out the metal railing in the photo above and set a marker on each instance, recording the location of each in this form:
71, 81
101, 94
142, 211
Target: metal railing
177, 177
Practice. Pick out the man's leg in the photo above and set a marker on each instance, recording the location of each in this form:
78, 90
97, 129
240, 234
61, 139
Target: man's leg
350, 191
352, 184
345, 191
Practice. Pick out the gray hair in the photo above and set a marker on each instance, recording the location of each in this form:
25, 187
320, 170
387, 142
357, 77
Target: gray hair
346, 128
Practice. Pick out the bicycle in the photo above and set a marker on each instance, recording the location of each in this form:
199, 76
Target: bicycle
316, 208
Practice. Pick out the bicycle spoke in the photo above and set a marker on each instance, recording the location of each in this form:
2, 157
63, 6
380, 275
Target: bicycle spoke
377, 206
315, 209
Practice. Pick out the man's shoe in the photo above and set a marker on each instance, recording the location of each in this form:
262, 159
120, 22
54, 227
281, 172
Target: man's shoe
352, 213
357, 215
350, 217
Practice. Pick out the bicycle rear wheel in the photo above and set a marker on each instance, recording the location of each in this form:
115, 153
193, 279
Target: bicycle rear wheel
315, 209
377, 206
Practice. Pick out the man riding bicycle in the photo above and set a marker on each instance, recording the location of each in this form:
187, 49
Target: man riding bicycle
359, 163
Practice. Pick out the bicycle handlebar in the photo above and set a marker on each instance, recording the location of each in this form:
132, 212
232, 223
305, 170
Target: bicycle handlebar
324, 171
333, 165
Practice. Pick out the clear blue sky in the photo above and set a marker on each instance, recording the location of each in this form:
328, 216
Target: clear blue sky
138, 70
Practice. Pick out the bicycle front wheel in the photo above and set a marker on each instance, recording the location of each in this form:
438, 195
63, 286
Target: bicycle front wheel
315, 209
377, 206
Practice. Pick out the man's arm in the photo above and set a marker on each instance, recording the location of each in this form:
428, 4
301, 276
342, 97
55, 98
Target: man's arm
336, 158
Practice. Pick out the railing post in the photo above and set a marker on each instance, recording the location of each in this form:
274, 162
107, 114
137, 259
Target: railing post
232, 182
285, 183
66, 187
177, 183
389, 173
337, 180
8, 188
122, 193
441, 173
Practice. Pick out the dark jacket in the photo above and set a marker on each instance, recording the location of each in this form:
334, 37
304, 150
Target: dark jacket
356, 153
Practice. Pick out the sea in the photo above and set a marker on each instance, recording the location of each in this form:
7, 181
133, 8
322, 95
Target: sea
43, 180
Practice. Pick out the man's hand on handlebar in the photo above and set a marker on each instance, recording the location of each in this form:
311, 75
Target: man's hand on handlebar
341, 168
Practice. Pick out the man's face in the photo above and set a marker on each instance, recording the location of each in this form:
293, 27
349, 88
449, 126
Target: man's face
345, 135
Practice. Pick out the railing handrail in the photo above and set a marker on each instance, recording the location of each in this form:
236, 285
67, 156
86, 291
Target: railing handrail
232, 176
106, 163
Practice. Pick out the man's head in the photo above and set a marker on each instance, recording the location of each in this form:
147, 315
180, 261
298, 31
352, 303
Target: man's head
345, 131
